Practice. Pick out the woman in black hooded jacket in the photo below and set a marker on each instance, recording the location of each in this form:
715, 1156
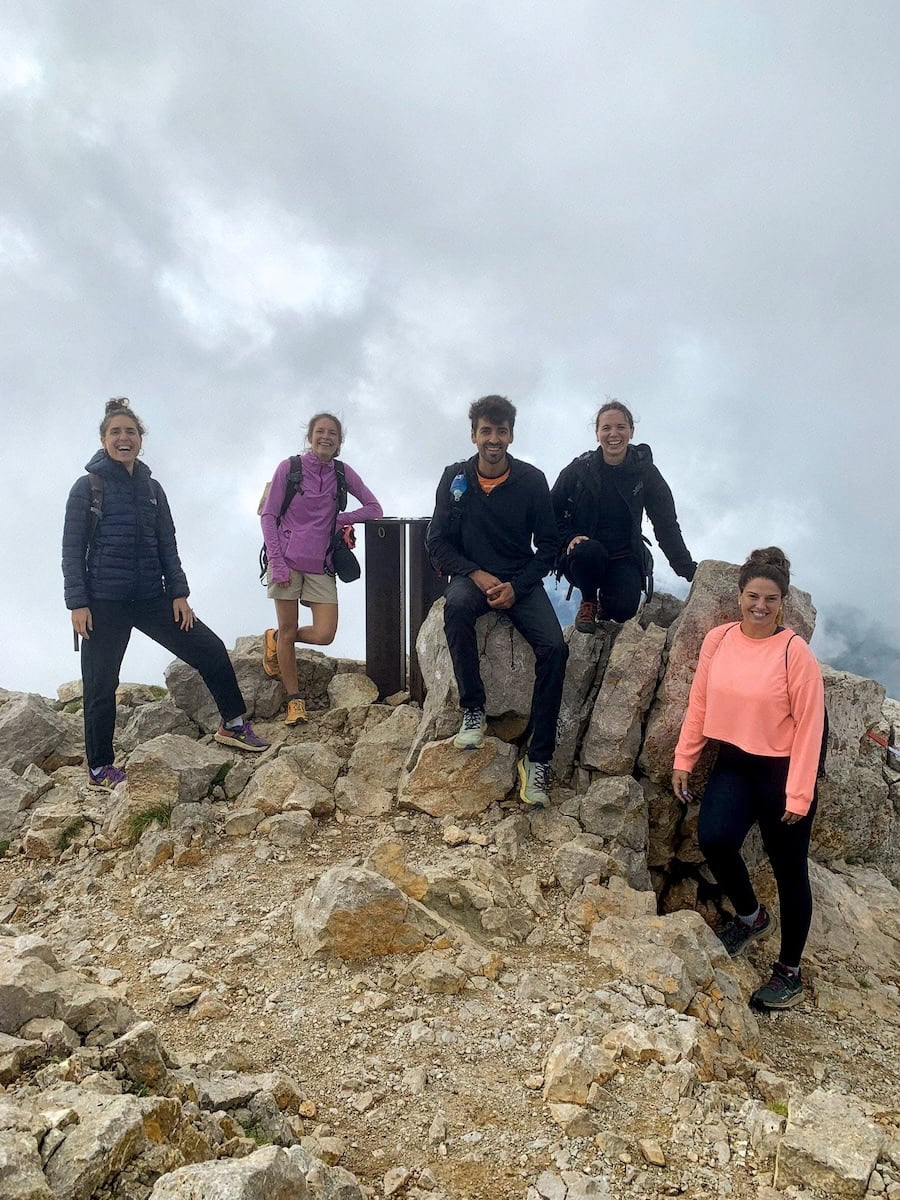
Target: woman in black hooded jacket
599, 500
122, 572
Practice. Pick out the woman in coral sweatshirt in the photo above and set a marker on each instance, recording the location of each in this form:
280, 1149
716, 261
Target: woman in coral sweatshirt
758, 691
298, 543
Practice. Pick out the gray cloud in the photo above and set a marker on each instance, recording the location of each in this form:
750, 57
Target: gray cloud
240, 214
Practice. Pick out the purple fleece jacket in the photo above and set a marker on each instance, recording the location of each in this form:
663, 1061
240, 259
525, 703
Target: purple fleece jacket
301, 541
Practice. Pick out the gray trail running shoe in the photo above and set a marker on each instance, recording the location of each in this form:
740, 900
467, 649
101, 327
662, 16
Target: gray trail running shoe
534, 780
471, 732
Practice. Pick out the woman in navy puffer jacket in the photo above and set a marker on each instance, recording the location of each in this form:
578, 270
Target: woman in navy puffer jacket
122, 572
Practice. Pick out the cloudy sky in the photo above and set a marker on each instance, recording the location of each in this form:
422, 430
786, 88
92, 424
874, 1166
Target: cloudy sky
238, 214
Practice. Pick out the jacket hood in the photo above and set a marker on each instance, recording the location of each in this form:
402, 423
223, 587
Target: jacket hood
101, 464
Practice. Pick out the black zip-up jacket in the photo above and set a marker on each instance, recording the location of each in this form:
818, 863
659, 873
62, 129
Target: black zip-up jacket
495, 532
133, 555
641, 486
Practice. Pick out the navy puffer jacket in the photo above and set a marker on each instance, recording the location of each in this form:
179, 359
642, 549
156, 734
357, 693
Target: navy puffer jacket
134, 555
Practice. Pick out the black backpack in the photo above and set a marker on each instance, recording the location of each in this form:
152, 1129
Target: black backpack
293, 486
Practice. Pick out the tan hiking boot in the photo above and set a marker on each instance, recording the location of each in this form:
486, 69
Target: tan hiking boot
296, 712
270, 654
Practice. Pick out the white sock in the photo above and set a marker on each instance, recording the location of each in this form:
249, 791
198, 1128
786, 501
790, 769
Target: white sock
234, 723
751, 918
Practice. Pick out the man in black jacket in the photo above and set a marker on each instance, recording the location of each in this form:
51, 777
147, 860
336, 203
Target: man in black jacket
487, 513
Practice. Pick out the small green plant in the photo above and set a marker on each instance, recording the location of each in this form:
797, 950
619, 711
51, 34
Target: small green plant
4, 846
161, 814
73, 706
68, 835
255, 1134
864, 981
157, 692
221, 774
778, 1107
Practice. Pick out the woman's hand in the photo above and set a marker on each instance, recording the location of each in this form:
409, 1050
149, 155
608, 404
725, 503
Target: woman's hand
183, 613
82, 622
680, 786
790, 818
581, 537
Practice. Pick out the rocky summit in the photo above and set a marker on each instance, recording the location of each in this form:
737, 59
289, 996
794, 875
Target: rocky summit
354, 966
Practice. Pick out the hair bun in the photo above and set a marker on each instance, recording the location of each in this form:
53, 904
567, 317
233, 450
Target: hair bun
116, 403
770, 556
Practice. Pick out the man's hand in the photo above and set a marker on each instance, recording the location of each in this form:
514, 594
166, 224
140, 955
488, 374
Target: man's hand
581, 537
484, 580
503, 595
82, 622
182, 613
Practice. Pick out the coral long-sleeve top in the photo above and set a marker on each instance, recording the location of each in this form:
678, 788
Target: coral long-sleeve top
763, 695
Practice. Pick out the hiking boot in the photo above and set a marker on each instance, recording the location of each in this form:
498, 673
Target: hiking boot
534, 780
107, 777
784, 990
471, 732
270, 654
241, 737
586, 618
296, 712
737, 933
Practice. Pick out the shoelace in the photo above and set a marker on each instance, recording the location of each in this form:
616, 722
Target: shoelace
472, 718
541, 776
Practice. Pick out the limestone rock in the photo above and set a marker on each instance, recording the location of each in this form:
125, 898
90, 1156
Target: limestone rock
351, 689
173, 769
615, 809
278, 787
381, 751
459, 783
354, 913
143, 1056
153, 720
267, 1174
315, 761
613, 737
388, 858
587, 658
617, 899
30, 732
829, 1144
21, 1171
33, 986
575, 861
711, 601
357, 798
111, 1130
16, 1055
572, 1066
16, 796
288, 830
856, 818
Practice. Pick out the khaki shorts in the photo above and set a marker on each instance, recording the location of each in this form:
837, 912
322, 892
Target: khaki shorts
308, 589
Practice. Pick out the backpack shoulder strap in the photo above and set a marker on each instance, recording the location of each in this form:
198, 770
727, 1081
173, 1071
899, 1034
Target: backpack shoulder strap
293, 484
787, 646
341, 476
96, 482
823, 749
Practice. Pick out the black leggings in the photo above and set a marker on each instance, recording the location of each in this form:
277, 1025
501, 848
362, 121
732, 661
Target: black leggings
103, 651
619, 580
747, 789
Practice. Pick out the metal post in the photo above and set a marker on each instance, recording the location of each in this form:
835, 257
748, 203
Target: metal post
385, 605
425, 586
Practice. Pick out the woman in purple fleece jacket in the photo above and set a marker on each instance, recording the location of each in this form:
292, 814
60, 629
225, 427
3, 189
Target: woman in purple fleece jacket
297, 547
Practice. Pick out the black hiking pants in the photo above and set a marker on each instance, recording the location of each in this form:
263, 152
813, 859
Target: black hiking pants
103, 651
747, 789
535, 619
619, 581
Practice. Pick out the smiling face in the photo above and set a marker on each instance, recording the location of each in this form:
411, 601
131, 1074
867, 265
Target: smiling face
122, 440
492, 439
325, 439
614, 432
760, 603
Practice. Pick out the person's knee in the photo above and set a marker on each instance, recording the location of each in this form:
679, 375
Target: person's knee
287, 632
619, 610
320, 637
